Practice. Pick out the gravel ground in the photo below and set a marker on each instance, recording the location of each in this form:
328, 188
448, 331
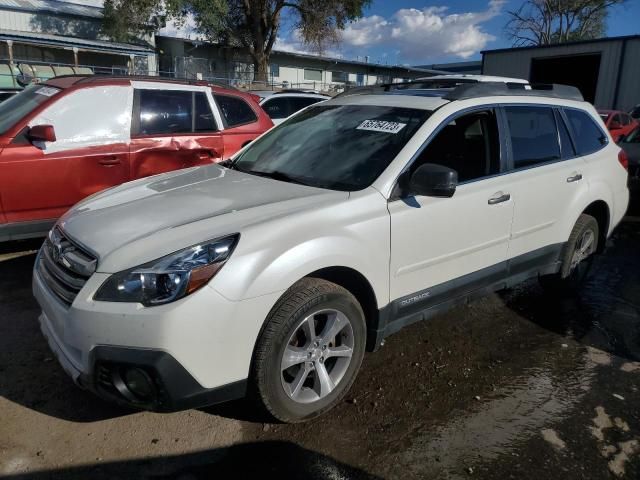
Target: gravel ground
516, 385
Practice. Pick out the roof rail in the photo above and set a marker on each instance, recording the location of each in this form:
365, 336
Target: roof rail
496, 89
155, 78
368, 90
474, 90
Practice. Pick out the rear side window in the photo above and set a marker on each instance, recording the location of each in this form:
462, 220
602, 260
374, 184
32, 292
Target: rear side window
235, 110
172, 111
587, 134
298, 103
277, 108
534, 138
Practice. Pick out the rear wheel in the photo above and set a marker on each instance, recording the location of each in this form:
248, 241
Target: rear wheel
577, 257
310, 350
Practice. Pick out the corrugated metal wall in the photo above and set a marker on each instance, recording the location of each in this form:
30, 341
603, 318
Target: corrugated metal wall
629, 90
517, 63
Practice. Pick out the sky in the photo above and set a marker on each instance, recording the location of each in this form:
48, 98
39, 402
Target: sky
419, 32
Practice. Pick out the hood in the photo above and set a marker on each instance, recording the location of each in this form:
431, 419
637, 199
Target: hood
159, 215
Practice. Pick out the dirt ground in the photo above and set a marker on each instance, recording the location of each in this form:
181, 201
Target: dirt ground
517, 385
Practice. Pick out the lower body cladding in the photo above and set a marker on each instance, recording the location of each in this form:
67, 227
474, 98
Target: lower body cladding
187, 354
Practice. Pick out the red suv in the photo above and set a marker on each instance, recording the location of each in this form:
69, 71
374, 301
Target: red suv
619, 123
72, 136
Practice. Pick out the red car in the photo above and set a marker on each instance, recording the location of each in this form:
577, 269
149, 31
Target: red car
619, 123
72, 136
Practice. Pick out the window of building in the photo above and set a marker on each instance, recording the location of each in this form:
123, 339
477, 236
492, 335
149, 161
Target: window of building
587, 134
235, 110
312, 74
469, 145
534, 138
341, 77
275, 70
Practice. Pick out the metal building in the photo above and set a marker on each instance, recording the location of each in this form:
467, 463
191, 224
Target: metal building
45, 38
607, 70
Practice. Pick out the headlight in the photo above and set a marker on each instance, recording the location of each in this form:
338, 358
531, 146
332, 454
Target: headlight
169, 278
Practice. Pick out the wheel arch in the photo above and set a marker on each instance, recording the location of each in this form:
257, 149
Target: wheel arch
600, 210
356, 283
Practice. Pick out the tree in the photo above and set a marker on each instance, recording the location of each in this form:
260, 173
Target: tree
251, 24
545, 22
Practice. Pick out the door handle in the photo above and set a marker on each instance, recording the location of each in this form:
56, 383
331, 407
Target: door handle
109, 161
499, 198
574, 178
208, 155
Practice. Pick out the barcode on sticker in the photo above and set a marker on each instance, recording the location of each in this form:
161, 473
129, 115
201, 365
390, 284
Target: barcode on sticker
381, 126
47, 91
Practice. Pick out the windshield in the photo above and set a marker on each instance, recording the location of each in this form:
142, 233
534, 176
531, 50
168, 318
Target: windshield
339, 147
20, 105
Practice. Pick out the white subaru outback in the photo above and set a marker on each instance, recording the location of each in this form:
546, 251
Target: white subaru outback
272, 275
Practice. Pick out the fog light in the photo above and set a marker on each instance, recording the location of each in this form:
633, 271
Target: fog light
139, 383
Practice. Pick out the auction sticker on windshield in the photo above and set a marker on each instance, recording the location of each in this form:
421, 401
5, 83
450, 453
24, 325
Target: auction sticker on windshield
381, 126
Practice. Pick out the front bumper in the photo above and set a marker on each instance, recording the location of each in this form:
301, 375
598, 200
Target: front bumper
197, 351
173, 387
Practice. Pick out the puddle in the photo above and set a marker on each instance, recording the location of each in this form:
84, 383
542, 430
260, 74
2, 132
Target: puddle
527, 407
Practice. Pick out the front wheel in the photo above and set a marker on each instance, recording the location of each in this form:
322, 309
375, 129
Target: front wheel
577, 257
310, 350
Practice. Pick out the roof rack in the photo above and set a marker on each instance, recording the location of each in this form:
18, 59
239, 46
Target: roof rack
88, 77
473, 90
299, 90
497, 89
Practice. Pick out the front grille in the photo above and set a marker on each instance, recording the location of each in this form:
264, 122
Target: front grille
64, 266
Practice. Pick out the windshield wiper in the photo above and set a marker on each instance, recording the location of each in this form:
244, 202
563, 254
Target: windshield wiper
274, 175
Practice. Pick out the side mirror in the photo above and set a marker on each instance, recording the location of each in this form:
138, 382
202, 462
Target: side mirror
431, 180
42, 133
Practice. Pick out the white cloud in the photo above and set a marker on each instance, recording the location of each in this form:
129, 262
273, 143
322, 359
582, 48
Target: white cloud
420, 34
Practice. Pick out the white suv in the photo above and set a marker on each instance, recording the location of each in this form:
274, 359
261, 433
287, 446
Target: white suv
281, 105
272, 275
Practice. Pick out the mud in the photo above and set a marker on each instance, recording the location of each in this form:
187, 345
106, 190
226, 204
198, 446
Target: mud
516, 385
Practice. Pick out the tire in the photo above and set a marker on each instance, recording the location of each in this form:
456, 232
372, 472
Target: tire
576, 260
318, 304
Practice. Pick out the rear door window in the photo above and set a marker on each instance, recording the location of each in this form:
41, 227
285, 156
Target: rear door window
587, 134
235, 110
534, 137
298, 103
566, 144
203, 120
162, 112
277, 108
